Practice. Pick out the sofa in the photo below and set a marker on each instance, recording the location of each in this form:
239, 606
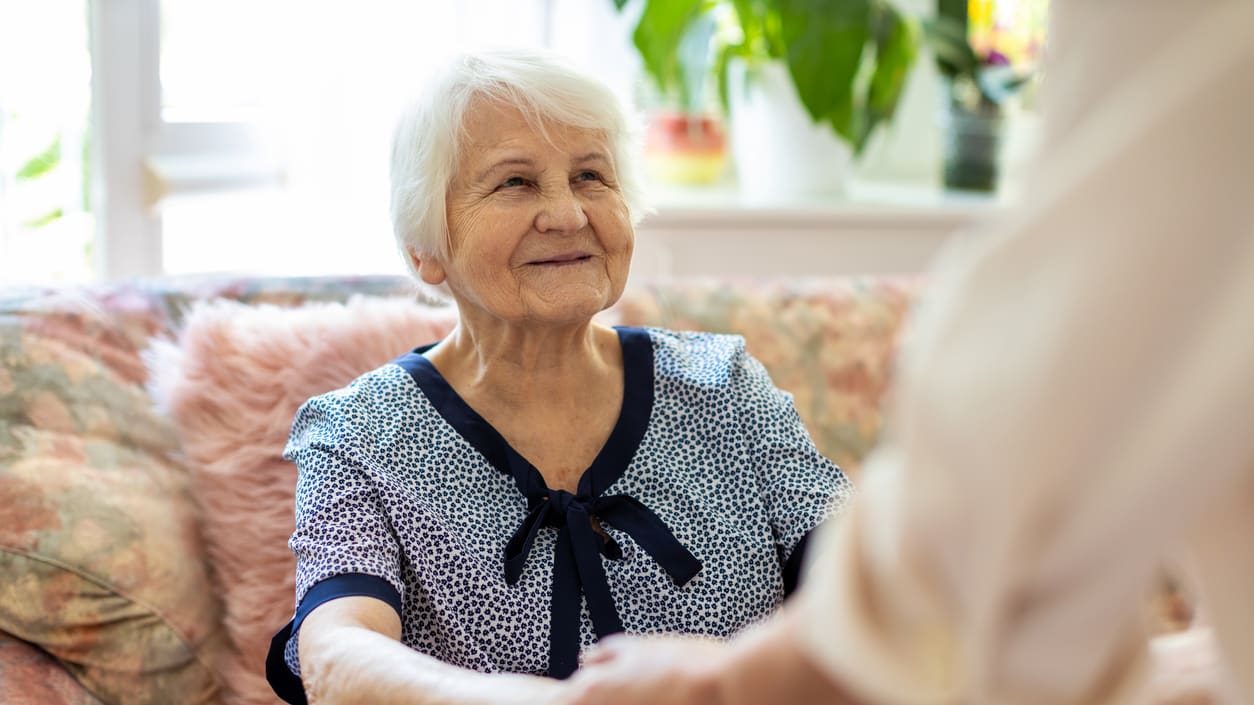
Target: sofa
144, 503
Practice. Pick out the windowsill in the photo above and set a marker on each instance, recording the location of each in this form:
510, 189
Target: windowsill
892, 200
875, 228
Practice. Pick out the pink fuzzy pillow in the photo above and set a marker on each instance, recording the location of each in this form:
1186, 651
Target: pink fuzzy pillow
231, 386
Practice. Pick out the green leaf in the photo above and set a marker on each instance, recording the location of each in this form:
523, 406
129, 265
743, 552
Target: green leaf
954, 10
947, 39
896, 45
722, 60
845, 121
749, 16
759, 21
825, 40
658, 35
44, 219
620, 4
41, 163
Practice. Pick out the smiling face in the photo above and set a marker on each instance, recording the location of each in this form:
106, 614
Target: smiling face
539, 232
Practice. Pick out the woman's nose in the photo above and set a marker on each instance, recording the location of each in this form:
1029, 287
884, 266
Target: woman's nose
561, 212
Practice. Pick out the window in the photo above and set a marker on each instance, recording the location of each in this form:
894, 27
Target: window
268, 124
45, 223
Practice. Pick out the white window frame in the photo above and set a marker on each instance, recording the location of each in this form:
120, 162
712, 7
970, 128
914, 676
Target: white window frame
123, 48
138, 158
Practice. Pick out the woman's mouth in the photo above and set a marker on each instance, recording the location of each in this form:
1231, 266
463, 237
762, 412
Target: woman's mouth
559, 260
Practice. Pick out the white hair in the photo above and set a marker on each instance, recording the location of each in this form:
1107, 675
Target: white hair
545, 88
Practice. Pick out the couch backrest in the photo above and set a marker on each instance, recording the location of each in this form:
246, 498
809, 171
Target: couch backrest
830, 342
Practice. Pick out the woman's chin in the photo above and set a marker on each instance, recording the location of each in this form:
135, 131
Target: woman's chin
570, 305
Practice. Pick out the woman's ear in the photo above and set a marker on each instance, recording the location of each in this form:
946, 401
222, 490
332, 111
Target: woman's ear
429, 269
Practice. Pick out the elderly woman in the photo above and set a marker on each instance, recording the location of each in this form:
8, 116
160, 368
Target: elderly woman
477, 512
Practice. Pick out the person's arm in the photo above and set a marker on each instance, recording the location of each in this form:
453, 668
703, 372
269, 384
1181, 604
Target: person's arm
767, 664
347, 626
350, 653
1076, 391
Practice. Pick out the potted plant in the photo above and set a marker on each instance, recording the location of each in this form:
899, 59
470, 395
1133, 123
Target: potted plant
686, 141
984, 64
843, 62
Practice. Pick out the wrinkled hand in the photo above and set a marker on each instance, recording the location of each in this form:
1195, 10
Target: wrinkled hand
650, 671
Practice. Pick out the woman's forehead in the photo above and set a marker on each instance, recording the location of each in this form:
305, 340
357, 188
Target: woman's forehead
496, 130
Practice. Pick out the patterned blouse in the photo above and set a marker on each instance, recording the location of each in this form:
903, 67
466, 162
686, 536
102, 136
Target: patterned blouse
706, 489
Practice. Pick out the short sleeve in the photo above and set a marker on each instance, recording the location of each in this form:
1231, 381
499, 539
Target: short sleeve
343, 540
800, 487
341, 523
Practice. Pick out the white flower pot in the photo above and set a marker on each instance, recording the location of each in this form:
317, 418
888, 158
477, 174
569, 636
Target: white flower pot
781, 155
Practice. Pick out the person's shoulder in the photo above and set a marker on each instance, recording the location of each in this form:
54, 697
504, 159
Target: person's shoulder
369, 393
696, 343
696, 357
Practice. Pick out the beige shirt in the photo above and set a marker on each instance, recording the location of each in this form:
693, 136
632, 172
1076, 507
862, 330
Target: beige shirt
1076, 397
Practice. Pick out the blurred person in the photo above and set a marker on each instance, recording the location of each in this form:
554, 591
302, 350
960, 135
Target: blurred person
1075, 403
474, 514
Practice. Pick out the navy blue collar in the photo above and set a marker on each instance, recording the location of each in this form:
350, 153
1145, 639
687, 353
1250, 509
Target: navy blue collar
577, 564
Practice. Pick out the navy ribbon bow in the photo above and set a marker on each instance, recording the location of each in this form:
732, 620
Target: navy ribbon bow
577, 563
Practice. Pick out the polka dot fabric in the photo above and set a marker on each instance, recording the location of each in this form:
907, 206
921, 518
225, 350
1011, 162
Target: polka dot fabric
390, 488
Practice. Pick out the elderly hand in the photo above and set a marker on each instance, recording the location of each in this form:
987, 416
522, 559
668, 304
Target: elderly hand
652, 671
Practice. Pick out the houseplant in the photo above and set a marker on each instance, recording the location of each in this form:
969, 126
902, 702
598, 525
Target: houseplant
846, 60
985, 63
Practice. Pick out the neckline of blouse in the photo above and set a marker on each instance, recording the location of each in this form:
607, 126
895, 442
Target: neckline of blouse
611, 461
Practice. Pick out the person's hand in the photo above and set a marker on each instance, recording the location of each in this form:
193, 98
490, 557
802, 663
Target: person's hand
1186, 669
650, 671
763, 665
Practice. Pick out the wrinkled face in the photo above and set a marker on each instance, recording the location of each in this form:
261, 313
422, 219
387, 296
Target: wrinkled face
539, 232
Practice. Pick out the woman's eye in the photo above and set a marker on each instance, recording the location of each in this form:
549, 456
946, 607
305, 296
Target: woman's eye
587, 176
513, 181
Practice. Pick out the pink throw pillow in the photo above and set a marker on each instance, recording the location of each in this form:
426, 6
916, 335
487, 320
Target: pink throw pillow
232, 385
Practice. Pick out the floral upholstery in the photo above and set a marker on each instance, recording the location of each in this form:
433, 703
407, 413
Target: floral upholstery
101, 542
827, 341
100, 545
29, 676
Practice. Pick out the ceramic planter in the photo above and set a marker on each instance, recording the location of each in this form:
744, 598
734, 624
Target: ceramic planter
780, 153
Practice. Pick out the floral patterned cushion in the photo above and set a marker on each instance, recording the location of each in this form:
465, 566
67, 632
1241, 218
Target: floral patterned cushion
100, 547
827, 341
29, 676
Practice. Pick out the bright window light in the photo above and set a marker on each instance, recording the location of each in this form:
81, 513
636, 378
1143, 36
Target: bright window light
322, 83
45, 225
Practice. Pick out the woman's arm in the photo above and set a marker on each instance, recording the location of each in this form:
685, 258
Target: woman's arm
350, 652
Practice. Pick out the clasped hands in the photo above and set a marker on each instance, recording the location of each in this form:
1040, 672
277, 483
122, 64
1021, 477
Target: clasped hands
657, 670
